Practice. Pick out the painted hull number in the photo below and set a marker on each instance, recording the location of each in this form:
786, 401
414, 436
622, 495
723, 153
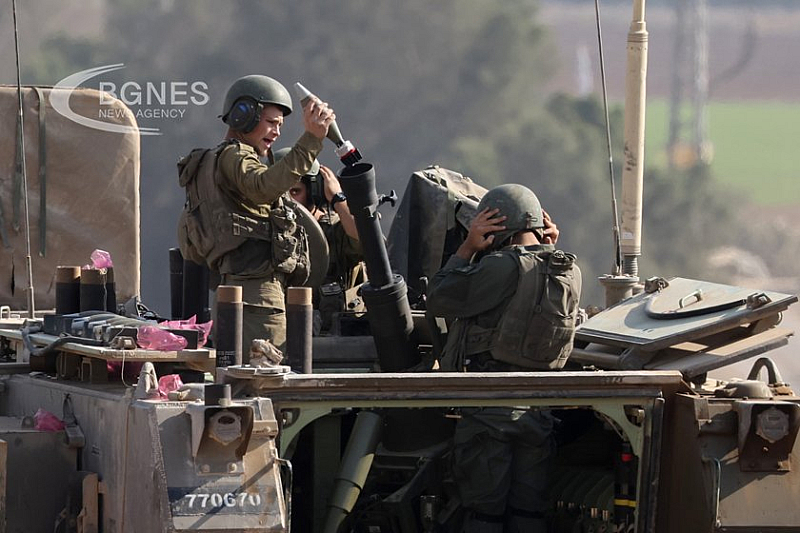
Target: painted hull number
205, 501
185, 502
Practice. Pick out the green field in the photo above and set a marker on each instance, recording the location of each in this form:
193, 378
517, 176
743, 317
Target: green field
756, 147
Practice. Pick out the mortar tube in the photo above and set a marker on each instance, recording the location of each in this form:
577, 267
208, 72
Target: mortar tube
385, 294
299, 328
391, 324
195, 291
355, 467
68, 289
228, 326
358, 184
175, 283
93, 290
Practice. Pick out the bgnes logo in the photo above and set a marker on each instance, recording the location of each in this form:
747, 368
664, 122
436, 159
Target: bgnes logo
163, 100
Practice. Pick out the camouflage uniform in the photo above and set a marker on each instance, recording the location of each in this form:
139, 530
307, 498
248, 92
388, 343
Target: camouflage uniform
253, 187
346, 271
500, 454
346, 257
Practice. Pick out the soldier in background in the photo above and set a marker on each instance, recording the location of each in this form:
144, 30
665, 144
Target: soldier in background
235, 219
513, 309
320, 192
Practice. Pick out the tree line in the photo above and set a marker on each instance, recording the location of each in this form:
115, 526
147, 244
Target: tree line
456, 83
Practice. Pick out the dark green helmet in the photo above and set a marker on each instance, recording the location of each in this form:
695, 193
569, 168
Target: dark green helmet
258, 89
519, 204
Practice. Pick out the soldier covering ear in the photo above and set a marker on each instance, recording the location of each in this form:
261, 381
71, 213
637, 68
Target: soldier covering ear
514, 309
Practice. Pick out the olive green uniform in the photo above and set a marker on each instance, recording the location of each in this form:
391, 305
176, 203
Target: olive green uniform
500, 454
346, 270
249, 186
255, 187
346, 256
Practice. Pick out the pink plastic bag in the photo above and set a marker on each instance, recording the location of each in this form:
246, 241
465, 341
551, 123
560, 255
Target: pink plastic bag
101, 259
169, 383
47, 421
191, 323
155, 338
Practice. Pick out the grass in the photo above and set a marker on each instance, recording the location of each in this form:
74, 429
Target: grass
756, 147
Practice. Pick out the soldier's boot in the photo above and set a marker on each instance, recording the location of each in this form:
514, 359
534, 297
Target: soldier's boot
482, 523
521, 521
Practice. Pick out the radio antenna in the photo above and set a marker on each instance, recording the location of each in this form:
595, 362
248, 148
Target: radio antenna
21, 134
617, 246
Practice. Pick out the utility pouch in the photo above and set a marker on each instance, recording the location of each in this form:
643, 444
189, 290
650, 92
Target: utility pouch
285, 244
289, 244
250, 227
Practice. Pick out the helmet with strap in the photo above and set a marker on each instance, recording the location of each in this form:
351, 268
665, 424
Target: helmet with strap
247, 97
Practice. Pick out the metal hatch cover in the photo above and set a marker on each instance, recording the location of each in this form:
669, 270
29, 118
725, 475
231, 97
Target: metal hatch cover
685, 310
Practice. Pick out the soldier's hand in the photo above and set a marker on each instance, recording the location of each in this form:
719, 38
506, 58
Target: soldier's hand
479, 237
317, 116
550, 229
330, 183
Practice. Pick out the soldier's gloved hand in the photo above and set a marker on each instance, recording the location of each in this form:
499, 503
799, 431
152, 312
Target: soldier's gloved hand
479, 237
550, 229
317, 116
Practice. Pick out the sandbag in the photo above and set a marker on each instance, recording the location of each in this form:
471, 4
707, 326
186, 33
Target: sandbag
91, 193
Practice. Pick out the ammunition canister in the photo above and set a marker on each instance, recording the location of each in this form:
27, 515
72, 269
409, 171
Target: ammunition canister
68, 290
228, 325
299, 326
176, 283
195, 291
93, 290
111, 291
218, 394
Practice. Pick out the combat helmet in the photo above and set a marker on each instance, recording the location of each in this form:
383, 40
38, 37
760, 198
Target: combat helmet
519, 204
246, 98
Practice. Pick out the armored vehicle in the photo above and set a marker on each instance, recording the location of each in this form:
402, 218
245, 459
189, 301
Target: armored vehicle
355, 433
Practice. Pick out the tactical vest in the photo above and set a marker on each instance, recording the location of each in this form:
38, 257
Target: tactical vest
536, 329
338, 292
213, 225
